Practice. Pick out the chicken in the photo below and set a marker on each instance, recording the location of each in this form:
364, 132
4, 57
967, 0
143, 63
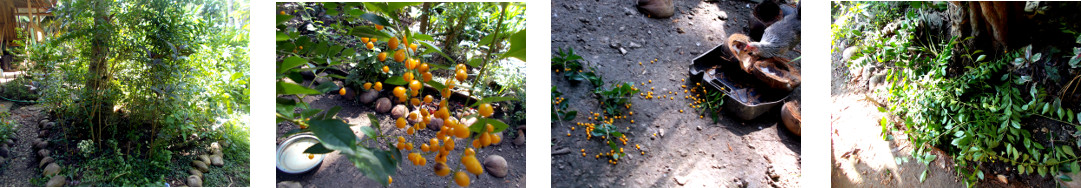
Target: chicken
779, 37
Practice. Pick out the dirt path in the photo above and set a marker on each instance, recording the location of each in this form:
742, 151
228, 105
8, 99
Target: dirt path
338, 171
20, 169
859, 155
686, 151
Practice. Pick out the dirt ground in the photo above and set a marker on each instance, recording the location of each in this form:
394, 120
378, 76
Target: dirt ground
20, 169
687, 151
337, 171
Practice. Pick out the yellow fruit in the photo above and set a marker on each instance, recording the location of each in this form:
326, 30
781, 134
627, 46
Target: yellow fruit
382, 56
424, 147
401, 140
485, 140
367, 86
490, 128
400, 123
386, 69
434, 142
427, 99
379, 86
461, 75
460, 66
411, 63
402, 99
443, 112
441, 157
416, 102
283, 12
476, 143
470, 152
378, 27
393, 43
496, 139
461, 179
448, 144
472, 165
441, 169
423, 67
413, 47
364, 39
450, 85
409, 146
399, 92
415, 86
311, 156
370, 45
427, 76
375, 40
410, 131
399, 56
485, 110
461, 131
408, 77
390, 180
422, 125
301, 47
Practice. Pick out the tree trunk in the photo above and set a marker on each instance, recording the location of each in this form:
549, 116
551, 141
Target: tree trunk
424, 17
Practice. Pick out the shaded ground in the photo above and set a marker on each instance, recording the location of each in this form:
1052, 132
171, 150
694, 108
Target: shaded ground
338, 171
687, 150
19, 169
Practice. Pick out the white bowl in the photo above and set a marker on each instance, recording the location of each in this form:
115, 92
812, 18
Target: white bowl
291, 157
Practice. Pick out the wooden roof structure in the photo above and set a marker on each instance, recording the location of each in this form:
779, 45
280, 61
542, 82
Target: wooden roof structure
12, 9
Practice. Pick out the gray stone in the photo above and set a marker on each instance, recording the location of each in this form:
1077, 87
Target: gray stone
382, 105
204, 158
42, 122
369, 96
57, 181
496, 166
195, 172
435, 124
50, 170
520, 141
5, 151
216, 160
398, 111
9, 142
289, 184
40, 144
50, 125
44, 152
200, 166
195, 181
46, 160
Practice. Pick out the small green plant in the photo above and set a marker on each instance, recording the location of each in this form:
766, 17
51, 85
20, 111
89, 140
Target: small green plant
615, 100
568, 63
559, 107
7, 126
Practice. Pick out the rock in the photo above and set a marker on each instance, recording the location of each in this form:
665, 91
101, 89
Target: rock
57, 181
369, 96
656, 8
1002, 179
681, 180
42, 122
216, 160
50, 170
195, 181
398, 111
435, 124
382, 105
200, 165
215, 146
195, 172
848, 53
722, 15
44, 153
40, 144
634, 45
520, 141
205, 158
49, 125
44, 161
5, 151
9, 142
289, 184
496, 166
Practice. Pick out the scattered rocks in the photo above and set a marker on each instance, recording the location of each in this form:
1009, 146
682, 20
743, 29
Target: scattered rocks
205, 158
216, 160
50, 170
398, 111
657, 8
382, 105
369, 96
46, 160
289, 184
195, 172
44, 152
57, 181
195, 181
200, 166
496, 166
435, 124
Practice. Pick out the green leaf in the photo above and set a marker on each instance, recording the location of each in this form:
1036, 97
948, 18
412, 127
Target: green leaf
368, 131
326, 87
1065, 178
366, 31
396, 80
478, 126
334, 134
400, 5
422, 37
356, 12
517, 46
492, 100
282, 18
436, 85
1068, 151
570, 115
285, 88
375, 19
318, 148
291, 62
373, 120
978, 59
332, 112
282, 36
429, 48
923, 176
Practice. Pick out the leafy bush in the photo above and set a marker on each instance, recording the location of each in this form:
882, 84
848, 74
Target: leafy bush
18, 89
